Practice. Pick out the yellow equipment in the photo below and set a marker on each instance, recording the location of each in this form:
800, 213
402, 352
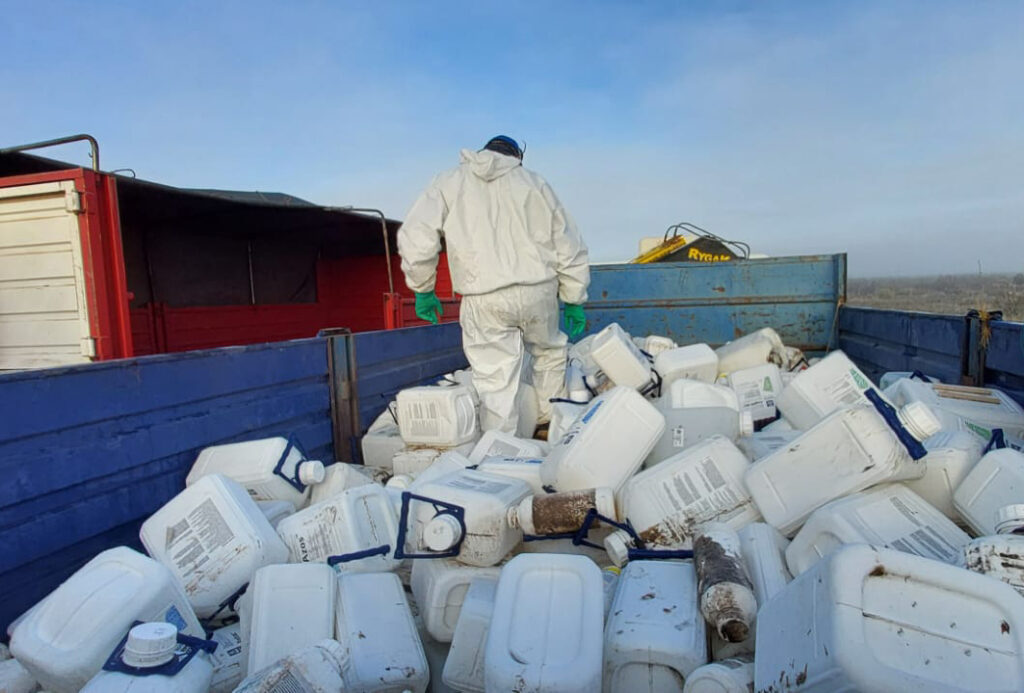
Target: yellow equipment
686, 242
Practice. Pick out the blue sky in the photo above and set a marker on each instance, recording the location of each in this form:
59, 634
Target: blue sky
891, 130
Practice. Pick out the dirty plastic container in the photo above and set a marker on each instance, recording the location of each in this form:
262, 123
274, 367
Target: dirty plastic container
444, 464
15, 678
439, 588
996, 481
523, 468
618, 358
693, 362
866, 619
848, 451
293, 607
546, 628
339, 477
377, 627
655, 636
561, 513
228, 659
890, 515
148, 650
606, 444
67, 638
727, 598
683, 393
382, 440
464, 668
269, 469
750, 350
763, 443
764, 553
413, 461
563, 416
1000, 556
733, 675
665, 503
275, 511
213, 537
437, 416
500, 444
758, 389
316, 669
975, 409
831, 384
951, 456
360, 519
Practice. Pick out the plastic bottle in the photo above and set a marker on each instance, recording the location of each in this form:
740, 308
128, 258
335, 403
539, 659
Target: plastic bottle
1001, 556
995, 482
667, 502
269, 469
655, 636
563, 416
339, 477
764, 554
15, 678
831, 384
866, 619
693, 362
848, 451
750, 350
497, 443
316, 669
890, 515
727, 598
606, 444
439, 588
382, 441
975, 409
523, 468
183, 667
464, 667
734, 675
763, 443
437, 416
375, 624
228, 659
533, 646
561, 513
758, 389
213, 537
275, 511
64, 641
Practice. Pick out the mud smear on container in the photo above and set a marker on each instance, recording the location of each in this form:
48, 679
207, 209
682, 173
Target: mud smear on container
716, 567
562, 512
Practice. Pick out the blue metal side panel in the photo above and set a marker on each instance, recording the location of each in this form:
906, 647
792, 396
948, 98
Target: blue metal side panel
1004, 366
88, 452
715, 303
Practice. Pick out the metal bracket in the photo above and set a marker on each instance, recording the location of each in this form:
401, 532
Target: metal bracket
341, 366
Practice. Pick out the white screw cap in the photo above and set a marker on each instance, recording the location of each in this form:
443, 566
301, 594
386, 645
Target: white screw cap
399, 481
1009, 518
604, 502
150, 645
617, 546
312, 472
442, 533
919, 420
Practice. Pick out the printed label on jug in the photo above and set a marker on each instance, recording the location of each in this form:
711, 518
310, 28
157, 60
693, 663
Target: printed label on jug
174, 617
702, 491
481, 485
678, 436
422, 419
758, 398
191, 541
901, 528
844, 391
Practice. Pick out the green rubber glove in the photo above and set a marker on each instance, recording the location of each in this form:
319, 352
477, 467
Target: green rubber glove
428, 307
575, 320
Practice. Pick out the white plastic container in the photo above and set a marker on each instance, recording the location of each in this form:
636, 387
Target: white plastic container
414, 461
758, 388
228, 659
683, 393
65, 640
546, 629
375, 624
576, 383
750, 350
437, 416
497, 443
275, 511
606, 444
848, 451
655, 636
654, 344
15, 678
610, 574
693, 362
316, 669
688, 426
1000, 557
563, 416
867, 619
975, 409
665, 503
726, 592
581, 353
213, 537
951, 456
733, 675
382, 440
831, 384
764, 553
995, 482
339, 477
269, 469
523, 468
561, 513
616, 355
360, 519
439, 588
890, 515
293, 608
464, 668
154, 645
763, 443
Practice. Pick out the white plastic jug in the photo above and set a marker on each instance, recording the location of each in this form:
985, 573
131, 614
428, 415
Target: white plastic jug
688, 426
667, 502
149, 647
546, 628
355, 531
15, 678
269, 469
339, 477
654, 344
382, 440
316, 669
551, 514
684, 393
293, 607
831, 384
726, 592
213, 537
733, 675
563, 416
439, 588
1000, 556
975, 409
763, 443
497, 443
951, 456
65, 640
523, 468
751, 350
616, 355
377, 627
606, 444
848, 451
275, 511
867, 619
655, 636
764, 553
890, 515
693, 362
758, 388
464, 668
228, 659
996, 481
437, 416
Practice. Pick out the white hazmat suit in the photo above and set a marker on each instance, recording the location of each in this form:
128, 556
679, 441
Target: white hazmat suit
513, 253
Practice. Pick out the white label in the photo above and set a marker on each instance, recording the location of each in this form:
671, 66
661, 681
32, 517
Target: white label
702, 491
900, 527
191, 541
678, 437
480, 485
844, 391
422, 418
757, 397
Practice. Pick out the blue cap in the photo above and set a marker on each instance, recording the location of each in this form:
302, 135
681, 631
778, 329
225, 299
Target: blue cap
503, 144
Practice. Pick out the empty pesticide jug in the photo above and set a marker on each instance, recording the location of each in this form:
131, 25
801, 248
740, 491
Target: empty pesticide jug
382, 440
890, 515
751, 350
1000, 556
15, 678
439, 588
653, 344
523, 468
606, 444
339, 477
561, 513
975, 409
532, 646
213, 537
764, 554
831, 384
316, 669
655, 636
228, 659
155, 658
563, 416
996, 481
616, 355
848, 451
65, 640
464, 667
763, 443
437, 416
269, 469
726, 593
497, 443
666, 503
275, 511
866, 619
354, 531
693, 362
951, 456
694, 412
377, 627
758, 389
733, 675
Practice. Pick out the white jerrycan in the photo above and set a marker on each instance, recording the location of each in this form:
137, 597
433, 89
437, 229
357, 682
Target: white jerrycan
382, 441
996, 481
153, 658
758, 390
523, 468
64, 641
497, 443
655, 635
865, 619
831, 384
316, 669
213, 537
693, 362
338, 477
751, 350
695, 411
464, 667
269, 469
546, 629
439, 588
951, 456
975, 409
354, 531
15, 678
1001, 556
437, 416
620, 359
848, 451
228, 659
654, 344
